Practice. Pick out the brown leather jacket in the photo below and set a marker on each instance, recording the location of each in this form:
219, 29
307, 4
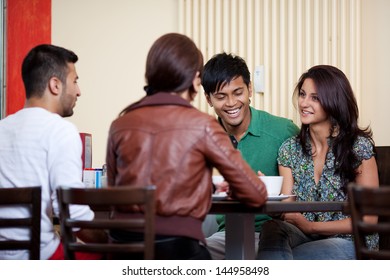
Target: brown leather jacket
164, 141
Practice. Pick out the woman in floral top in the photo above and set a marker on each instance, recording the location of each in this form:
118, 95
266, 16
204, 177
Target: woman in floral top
330, 151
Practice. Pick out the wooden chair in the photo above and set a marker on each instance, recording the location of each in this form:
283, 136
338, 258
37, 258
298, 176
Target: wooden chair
366, 201
108, 199
23, 197
383, 162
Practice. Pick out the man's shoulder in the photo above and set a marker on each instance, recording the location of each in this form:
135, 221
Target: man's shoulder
268, 116
38, 118
270, 122
53, 125
56, 122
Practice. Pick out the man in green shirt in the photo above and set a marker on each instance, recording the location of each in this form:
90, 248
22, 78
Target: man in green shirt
257, 134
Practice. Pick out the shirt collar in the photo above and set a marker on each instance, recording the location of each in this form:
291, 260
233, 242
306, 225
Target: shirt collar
255, 127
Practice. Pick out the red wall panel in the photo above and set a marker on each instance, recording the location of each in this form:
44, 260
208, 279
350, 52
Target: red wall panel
28, 24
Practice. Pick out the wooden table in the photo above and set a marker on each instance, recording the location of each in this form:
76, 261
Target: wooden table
240, 221
240, 226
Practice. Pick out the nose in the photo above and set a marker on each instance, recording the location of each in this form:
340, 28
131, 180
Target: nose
78, 93
303, 101
231, 100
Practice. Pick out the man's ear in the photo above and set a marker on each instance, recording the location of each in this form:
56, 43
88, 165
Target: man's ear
55, 85
250, 89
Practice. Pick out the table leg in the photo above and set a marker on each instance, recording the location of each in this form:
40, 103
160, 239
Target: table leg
240, 236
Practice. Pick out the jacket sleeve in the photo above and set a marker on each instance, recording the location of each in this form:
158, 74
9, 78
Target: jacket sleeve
243, 181
110, 160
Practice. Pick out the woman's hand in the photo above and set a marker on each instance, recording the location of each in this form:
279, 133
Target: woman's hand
298, 220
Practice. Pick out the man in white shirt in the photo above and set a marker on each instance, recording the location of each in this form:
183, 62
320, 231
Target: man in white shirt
39, 148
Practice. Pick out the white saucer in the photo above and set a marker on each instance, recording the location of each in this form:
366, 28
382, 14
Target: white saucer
279, 197
219, 196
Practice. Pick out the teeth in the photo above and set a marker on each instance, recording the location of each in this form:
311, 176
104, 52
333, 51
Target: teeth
233, 111
306, 112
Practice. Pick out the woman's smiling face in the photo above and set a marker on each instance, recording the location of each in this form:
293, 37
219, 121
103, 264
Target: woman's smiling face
310, 108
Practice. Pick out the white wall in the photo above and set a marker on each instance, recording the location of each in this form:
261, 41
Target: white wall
112, 39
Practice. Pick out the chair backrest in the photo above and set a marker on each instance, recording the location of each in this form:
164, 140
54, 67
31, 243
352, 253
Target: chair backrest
383, 162
108, 199
368, 201
23, 197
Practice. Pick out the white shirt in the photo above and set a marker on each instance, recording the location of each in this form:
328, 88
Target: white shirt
39, 148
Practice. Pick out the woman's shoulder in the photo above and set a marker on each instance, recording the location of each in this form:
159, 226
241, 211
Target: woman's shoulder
290, 146
291, 143
290, 152
363, 148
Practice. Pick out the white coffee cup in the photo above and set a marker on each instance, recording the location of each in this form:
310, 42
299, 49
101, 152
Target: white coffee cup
217, 179
273, 184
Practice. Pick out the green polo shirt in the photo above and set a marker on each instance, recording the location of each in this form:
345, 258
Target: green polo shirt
259, 147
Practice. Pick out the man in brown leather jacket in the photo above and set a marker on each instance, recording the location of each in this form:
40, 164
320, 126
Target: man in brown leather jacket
163, 140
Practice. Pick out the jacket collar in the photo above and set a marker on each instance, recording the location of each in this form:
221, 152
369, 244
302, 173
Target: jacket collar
158, 99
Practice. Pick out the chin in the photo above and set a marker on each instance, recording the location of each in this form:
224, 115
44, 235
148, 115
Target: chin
235, 123
305, 120
67, 114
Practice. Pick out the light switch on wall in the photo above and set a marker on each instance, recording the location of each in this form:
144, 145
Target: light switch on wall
258, 79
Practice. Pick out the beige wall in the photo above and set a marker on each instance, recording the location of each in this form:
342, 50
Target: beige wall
375, 109
113, 37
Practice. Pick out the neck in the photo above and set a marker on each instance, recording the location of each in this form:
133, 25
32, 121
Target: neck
186, 95
41, 103
319, 135
238, 131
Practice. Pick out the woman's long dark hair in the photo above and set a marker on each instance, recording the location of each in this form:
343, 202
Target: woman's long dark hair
336, 97
171, 65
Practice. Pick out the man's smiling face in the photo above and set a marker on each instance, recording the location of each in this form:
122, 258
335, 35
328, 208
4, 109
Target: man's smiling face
231, 103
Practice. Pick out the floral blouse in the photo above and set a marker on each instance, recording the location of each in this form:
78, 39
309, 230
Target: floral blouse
329, 187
